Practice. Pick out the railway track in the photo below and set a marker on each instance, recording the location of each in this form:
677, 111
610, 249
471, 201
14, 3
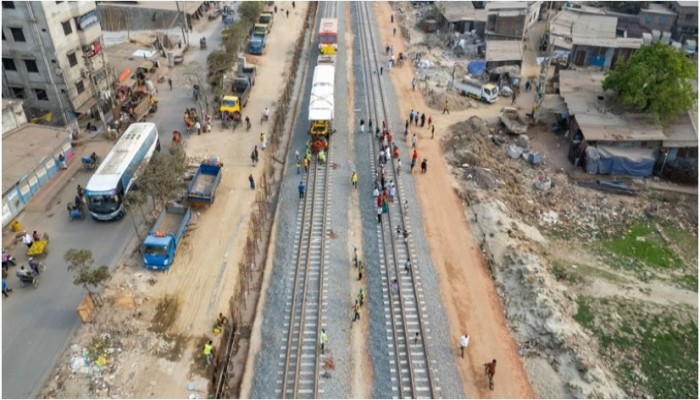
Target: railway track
405, 313
301, 359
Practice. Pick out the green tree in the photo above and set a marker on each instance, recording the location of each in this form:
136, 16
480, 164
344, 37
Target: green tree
135, 199
163, 175
249, 12
656, 80
85, 274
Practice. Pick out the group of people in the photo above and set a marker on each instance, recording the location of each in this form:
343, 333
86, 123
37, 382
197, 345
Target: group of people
194, 123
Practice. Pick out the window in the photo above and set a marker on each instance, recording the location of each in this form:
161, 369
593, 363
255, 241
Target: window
18, 92
17, 34
9, 64
41, 94
67, 28
689, 17
72, 59
8, 4
650, 19
31, 65
663, 20
80, 86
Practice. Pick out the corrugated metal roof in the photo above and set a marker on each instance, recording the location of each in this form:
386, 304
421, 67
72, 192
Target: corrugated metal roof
505, 5
504, 50
583, 94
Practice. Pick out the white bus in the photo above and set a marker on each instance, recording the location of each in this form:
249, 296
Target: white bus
111, 182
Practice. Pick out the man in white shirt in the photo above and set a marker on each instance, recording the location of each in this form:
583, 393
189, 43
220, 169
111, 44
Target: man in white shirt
463, 343
27, 239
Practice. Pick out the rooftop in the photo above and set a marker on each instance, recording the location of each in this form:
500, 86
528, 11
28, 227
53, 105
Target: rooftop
188, 6
462, 11
26, 147
505, 5
583, 94
504, 50
575, 28
658, 9
688, 3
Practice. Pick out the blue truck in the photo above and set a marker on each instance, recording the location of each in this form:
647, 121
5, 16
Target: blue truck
256, 44
201, 190
165, 236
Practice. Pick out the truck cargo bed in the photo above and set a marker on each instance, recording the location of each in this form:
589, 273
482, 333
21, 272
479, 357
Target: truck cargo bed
203, 184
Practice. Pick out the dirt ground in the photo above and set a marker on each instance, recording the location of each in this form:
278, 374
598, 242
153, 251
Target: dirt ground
468, 293
155, 344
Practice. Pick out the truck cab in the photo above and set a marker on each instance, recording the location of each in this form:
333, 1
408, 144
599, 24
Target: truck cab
261, 29
266, 18
256, 44
159, 250
230, 104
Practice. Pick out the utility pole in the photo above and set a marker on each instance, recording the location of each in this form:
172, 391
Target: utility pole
95, 92
184, 28
544, 70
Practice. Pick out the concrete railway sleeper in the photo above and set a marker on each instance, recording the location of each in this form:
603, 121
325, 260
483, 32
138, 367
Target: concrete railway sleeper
407, 332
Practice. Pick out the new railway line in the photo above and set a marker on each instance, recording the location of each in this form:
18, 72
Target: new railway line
412, 374
301, 360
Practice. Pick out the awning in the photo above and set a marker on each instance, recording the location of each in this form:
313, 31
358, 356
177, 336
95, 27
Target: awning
85, 108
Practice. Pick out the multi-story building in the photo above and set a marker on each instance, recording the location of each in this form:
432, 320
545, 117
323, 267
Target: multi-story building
52, 58
686, 26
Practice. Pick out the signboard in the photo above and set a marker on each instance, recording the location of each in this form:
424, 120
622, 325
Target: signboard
92, 49
87, 20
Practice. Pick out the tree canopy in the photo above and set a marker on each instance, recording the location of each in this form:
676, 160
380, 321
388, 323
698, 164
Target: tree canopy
163, 175
657, 80
85, 274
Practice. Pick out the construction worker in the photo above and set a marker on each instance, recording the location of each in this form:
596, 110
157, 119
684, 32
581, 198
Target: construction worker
207, 351
361, 296
324, 340
354, 179
356, 308
360, 271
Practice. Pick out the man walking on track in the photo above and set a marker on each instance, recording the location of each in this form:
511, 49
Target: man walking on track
354, 179
252, 181
463, 343
324, 340
362, 126
356, 309
207, 351
301, 190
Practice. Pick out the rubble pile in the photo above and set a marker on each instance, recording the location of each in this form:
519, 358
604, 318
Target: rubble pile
549, 200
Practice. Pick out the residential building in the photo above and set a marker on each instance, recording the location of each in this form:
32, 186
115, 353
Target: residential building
30, 155
506, 20
462, 17
503, 52
591, 39
657, 17
622, 143
52, 58
686, 26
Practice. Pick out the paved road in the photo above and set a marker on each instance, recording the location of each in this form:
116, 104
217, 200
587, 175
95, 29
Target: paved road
38, 323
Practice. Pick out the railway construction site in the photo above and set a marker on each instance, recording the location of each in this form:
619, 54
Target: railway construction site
577, 292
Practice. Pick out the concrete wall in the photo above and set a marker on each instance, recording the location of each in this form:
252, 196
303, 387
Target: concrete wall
13, 115
687, 22
121, 18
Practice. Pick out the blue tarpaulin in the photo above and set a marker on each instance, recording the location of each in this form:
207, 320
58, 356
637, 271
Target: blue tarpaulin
625, 161
476, 68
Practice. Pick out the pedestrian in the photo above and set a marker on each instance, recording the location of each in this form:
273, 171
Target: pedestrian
528, 85
398, 167
370, 125
361, 296
391, 50
296, 154
430, 120
298, 166
207, 351
422, 120
306, 164
463, 343
446, 109
293, 5
414, 141
62, 161
424, 166
356, 309
324, 340
179, 44
407, 265
381, 70
432, 132
514, 97
415, 118
301, 189
491, 372
287, 12
252, 156
275, 9
362, 126
413, 84
5, 290
395, 285
389, 65
392, 18
170, 83
252, 181
379, 214
410, 118
356, 258
413, 164
27, 239
353, 178
394, 32
360, 271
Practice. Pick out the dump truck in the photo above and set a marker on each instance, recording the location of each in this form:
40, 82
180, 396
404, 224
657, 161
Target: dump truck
266, 18
246, 71
256, 44
261, 29
510, 118
486, 92
201, 190
241, 88
165, 236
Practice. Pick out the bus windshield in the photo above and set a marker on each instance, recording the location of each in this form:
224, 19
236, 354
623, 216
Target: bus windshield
104, 204
327, 38
155, 251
